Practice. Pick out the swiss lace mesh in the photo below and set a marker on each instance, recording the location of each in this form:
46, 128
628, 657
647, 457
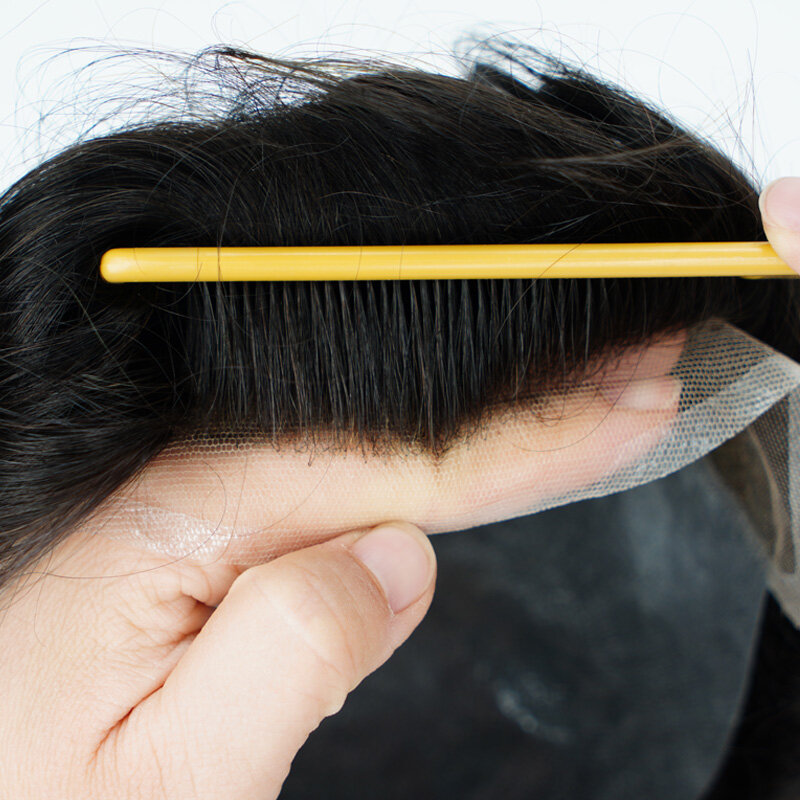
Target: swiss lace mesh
733, 389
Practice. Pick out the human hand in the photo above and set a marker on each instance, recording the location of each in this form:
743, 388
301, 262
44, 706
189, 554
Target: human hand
128, 672
126, 675
780, 215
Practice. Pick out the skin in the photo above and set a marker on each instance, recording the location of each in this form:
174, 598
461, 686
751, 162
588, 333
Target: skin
127, 672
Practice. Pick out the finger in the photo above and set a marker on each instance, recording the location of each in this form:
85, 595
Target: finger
99, 626
588, 434
780, 215
280, 653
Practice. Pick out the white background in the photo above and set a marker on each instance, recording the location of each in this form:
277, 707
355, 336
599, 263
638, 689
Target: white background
727, 68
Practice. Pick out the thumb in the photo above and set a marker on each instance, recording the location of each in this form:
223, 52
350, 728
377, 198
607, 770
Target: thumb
281, 652
780, 215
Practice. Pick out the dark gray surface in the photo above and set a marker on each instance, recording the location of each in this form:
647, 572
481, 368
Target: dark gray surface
599, 650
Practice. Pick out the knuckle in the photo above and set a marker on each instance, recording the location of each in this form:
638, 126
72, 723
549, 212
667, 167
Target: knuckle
331, 611
313, 612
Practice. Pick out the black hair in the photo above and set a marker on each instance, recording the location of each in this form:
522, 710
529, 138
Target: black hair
98, 378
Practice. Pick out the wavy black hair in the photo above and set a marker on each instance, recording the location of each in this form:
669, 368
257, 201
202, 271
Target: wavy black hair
96, 378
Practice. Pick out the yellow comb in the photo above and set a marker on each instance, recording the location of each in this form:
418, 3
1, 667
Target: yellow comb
421, 262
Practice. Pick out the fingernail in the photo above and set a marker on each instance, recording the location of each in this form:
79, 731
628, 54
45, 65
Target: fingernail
780, 203
645, 394
401, 562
